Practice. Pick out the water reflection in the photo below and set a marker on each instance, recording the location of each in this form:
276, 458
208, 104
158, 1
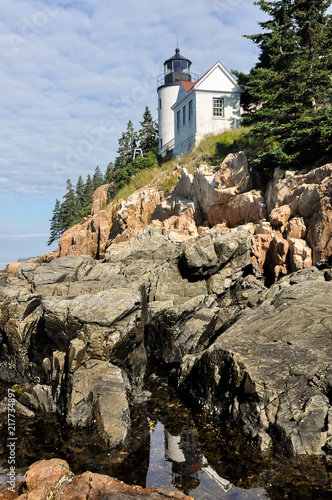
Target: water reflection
169, 447
177, 462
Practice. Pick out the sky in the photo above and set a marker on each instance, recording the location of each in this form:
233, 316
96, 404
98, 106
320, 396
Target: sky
74, 72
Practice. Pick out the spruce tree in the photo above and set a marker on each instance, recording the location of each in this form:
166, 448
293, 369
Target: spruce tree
287, 95
148, 133
109, 173
97, 179
127, 144
79, 194
68, 207
56, 223
88, 191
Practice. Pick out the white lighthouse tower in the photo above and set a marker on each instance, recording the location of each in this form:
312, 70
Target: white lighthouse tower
176, 69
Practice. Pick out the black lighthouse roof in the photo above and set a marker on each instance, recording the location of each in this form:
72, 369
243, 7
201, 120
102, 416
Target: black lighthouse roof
177, 56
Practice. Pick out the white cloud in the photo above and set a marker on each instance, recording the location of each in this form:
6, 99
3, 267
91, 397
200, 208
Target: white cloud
73, 72
65, 64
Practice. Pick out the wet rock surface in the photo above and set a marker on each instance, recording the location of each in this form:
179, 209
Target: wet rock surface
53, 479
235, 314
79, 335
271, 373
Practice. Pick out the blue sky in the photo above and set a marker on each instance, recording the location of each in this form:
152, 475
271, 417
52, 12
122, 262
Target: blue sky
73, 73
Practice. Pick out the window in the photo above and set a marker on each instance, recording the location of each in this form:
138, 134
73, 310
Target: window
183, 115
218, 106
160, 143
159, 103
178, 120
191, 110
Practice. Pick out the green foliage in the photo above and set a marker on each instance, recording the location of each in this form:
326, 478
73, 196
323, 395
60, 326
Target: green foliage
108, 173
148, 133
122, 176
287, 95
127, 144
80, 193
68, 207
56, 224
123, 172
97, 179
214, 148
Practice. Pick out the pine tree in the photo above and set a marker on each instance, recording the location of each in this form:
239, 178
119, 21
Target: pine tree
88, 191
56, 224
68, 207
287, 95
109, 173
97, 179
79, 193
148, 133
127, 144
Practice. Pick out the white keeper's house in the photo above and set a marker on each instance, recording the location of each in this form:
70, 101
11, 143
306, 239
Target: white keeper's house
189, 107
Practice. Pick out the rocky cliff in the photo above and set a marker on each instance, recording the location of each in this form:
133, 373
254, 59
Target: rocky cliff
179, 283
290, 222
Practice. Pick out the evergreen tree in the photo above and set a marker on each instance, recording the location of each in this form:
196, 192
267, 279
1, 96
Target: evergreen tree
287, 95
79, 193
56, 224
88, 192
127, 144
68, 207
97, 179
109, 173
148, 133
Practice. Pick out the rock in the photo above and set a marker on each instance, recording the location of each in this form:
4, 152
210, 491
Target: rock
295, 228
109, 223
307, 274
299, 254
43, 394
64, 270
185, 222
265, 228
205, 255
280, 215
233, 172
53, 479
13, 268
306, 195
245, 207
134, 214
176, 331
92, 315
276, 256
320, 224
88, 238
270, 373
99, 397
20, 408
259, 248
99, 199
219, 204
20, 312
43, 479
184, 185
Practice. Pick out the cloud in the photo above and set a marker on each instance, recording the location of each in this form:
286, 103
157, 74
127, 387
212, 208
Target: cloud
73, 72
67, 67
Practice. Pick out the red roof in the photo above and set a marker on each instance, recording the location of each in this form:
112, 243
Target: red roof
188, 86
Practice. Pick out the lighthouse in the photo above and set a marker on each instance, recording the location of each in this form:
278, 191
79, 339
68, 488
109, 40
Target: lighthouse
177, 69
